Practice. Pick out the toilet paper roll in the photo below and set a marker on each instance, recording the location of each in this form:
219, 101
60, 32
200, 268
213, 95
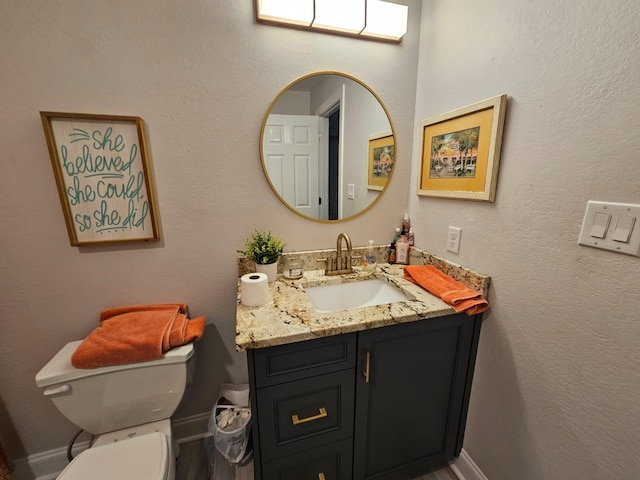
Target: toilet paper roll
254, 289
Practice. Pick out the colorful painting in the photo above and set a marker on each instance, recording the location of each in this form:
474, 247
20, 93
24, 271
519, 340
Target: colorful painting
382, 154
461, 151
454, 155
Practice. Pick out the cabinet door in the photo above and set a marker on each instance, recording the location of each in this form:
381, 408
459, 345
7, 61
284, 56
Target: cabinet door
409, 412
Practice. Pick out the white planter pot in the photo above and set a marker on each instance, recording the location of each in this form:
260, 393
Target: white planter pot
270, 269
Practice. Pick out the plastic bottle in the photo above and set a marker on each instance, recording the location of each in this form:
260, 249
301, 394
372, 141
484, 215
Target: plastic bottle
402, 250
392, 247
370, 258
411, 238
406, 223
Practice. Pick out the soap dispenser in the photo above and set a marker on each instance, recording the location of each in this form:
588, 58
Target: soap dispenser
370, 258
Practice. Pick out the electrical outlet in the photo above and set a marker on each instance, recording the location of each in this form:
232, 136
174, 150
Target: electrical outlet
453, 239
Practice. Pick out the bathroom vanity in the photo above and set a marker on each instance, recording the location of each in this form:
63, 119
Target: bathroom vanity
375, 392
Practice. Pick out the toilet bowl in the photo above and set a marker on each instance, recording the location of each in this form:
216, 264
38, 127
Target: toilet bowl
126, 407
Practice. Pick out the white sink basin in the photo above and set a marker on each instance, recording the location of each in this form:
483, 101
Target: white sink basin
344, 296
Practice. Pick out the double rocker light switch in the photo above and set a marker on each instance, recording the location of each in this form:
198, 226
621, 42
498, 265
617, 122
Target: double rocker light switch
610, 226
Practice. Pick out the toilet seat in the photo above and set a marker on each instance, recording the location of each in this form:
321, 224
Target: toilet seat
141, 458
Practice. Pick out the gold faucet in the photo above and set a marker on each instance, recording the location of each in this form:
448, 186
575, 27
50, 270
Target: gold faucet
338, 268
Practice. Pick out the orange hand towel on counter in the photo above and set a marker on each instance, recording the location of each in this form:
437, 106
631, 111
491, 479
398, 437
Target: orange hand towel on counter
459, 296
137, 334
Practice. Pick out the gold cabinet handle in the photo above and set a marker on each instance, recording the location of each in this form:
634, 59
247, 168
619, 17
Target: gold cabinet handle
321, 476
367, 367
297, 420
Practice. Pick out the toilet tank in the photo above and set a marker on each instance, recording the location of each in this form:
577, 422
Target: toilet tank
101, 400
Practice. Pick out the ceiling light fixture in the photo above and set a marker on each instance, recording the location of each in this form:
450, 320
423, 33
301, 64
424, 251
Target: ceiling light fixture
345, 16
374, 19
294, 12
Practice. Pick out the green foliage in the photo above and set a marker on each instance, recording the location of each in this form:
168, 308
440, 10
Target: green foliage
263, 248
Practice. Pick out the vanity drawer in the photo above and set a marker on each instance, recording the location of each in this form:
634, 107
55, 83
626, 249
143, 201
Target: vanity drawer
295, 361
306, 414
329, 462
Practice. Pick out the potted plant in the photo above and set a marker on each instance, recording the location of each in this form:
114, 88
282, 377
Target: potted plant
264, 249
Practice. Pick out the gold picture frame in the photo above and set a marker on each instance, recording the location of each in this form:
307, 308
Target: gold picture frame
461, 151
102, 172
381, 160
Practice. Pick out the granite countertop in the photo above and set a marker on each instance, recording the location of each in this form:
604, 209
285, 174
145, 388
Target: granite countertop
289, 317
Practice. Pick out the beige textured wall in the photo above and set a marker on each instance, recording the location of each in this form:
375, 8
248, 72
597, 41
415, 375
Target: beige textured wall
556, 389
556, 393
202, 75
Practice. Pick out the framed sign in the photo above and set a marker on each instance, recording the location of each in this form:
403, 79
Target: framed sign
102, 173
461, 151
380, 160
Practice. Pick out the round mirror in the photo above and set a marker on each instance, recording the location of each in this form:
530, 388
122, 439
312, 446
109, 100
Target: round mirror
327, 146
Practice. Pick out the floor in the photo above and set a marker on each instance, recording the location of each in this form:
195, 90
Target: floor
194, 464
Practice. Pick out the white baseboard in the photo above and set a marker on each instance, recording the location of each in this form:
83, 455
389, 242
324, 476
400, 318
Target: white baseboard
47, 465
465, 468
191, 428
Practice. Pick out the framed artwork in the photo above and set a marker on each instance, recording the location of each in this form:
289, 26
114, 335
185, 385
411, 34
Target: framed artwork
382, 154
102, 172
461, 151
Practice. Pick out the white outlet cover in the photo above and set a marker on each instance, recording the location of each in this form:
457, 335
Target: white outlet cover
605, 220
453, 239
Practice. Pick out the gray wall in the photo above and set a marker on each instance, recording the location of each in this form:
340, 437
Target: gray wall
557, 388
201, 75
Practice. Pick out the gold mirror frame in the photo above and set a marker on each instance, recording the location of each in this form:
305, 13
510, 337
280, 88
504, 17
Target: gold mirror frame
384, 138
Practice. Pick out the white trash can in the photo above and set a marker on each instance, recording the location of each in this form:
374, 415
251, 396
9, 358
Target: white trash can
230, 421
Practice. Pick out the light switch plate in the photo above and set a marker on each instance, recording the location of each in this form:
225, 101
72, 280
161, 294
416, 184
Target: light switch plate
607, 225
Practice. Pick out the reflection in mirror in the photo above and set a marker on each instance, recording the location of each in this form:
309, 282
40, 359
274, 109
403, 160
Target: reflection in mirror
327, 146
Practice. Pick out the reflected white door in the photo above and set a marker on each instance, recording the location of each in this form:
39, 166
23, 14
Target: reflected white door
290, 149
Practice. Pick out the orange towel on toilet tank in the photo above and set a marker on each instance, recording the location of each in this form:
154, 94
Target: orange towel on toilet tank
137, 333
459, 296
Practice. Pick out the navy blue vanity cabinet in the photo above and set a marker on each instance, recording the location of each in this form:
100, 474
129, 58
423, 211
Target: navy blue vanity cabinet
385, 403
412, 395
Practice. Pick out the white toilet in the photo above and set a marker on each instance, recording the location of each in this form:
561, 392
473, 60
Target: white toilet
126, 407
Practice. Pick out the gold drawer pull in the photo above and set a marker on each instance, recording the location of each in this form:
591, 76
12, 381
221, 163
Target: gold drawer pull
296, 420
321, 476
367, 370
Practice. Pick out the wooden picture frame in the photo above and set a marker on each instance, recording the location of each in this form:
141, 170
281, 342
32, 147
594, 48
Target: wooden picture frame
381, 160
102, 172
461, 151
